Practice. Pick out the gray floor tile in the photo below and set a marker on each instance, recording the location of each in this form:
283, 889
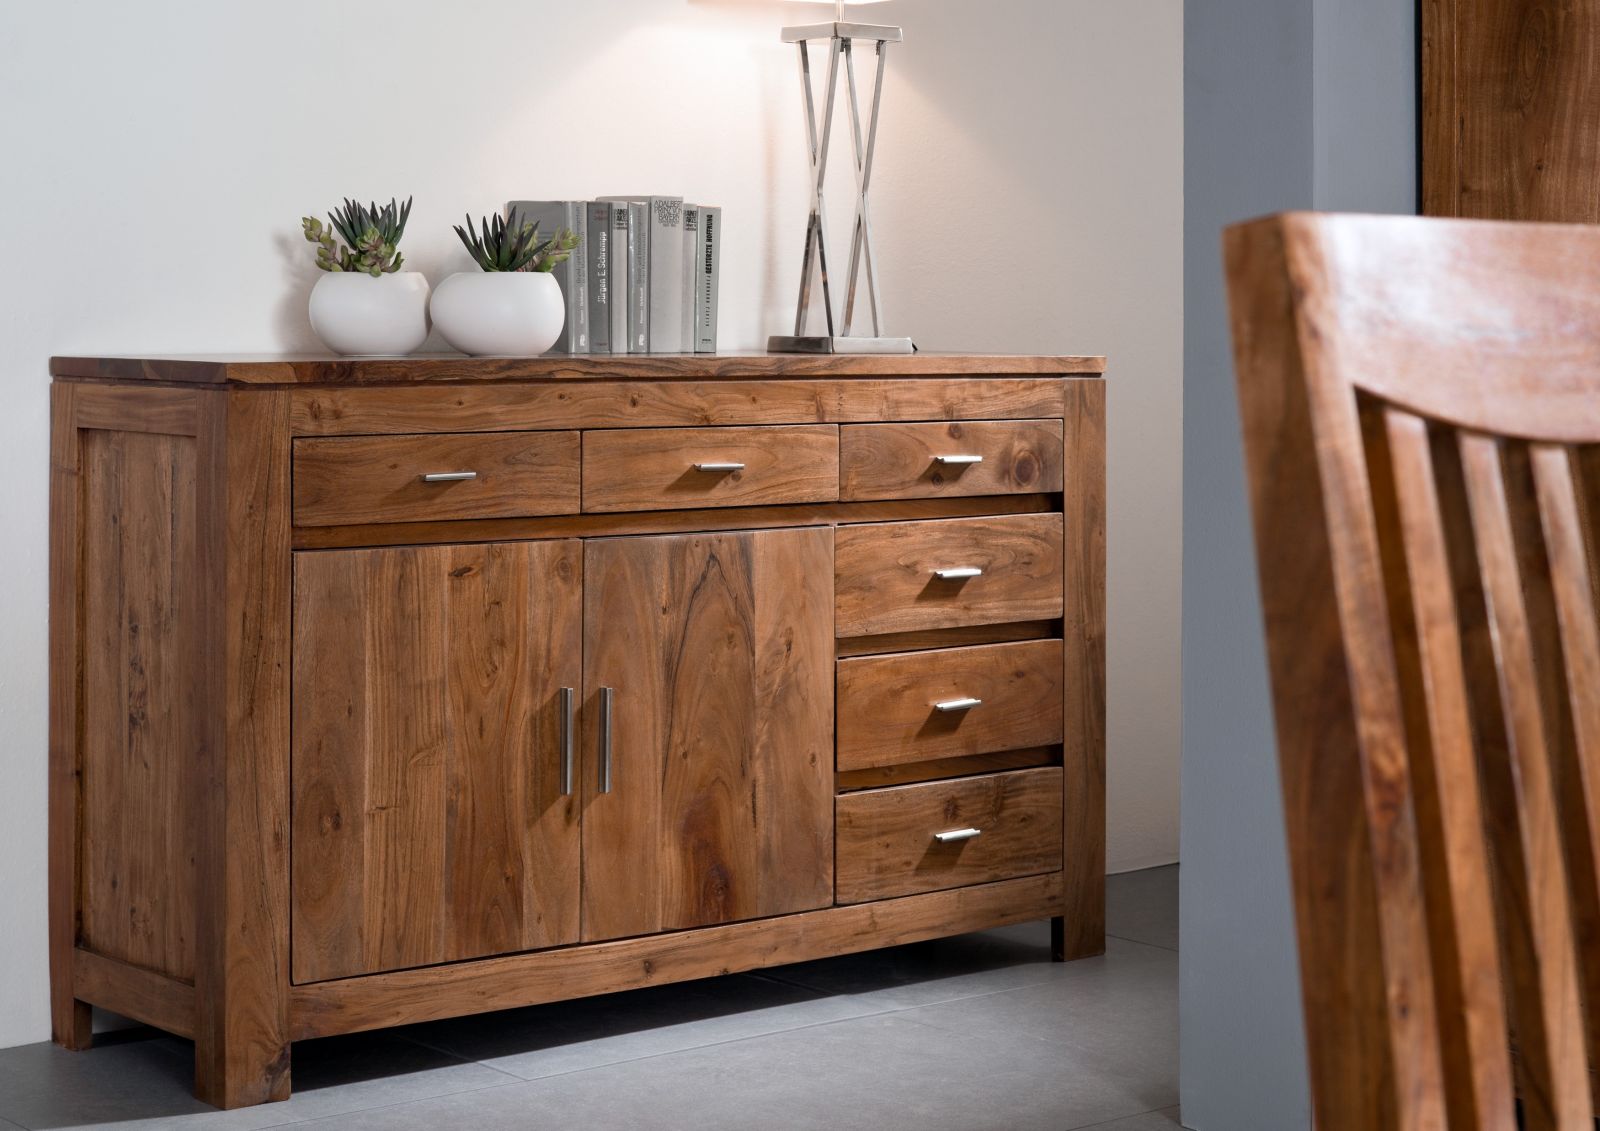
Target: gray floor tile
149, 1083
1114, 1018
1163, 1120
548, 1040
922, 973
883, 1072
1143, 906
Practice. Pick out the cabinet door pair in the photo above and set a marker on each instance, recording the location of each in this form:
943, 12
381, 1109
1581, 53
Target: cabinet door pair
437, 815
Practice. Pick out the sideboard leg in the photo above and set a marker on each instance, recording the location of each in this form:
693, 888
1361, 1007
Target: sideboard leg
240, 1075
72, 1026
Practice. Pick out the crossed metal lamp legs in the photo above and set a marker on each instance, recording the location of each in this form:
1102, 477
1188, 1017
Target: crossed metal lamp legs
841, 39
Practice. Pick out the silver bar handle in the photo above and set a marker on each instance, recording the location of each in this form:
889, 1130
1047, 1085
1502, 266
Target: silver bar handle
956, 834
963, 704
568, 700
958, 573
607, 696
449, 476
730, 466
962, 461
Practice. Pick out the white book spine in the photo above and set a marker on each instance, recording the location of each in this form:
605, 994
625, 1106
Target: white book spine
639, 278
578, 298
621, 260
691, 256
708, 269
666, 274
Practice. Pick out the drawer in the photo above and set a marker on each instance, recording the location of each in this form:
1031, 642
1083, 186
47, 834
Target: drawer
355, 480
964, 457
896, 576
922, 706
646, 469
888, 838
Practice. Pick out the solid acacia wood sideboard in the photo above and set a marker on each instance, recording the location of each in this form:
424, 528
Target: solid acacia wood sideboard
387, 690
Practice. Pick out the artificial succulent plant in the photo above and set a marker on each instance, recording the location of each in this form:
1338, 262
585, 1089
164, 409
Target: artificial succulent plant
370, 235
513, 245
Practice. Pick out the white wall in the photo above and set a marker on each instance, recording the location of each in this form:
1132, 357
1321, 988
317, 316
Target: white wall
155, 159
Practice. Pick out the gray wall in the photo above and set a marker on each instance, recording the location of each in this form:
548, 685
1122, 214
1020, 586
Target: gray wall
1287, 104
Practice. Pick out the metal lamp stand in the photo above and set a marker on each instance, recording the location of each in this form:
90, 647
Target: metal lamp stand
841, 39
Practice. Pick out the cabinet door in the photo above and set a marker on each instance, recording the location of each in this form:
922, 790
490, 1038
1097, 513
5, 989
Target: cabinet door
717, 650
429, 818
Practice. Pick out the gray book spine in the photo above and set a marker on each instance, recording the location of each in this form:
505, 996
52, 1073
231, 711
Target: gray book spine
691, 256
621, 266
554, 217
639, 278
599, 242
666, 274
708, 269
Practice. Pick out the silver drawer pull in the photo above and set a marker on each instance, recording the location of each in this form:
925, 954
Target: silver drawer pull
956, 834
449, 476
961, 461
568, 700
719, 467
965, 704
958, 574
607, 697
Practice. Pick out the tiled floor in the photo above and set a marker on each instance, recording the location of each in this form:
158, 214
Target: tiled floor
981, 1033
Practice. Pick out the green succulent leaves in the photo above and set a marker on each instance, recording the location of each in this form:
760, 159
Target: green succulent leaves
507, 245
371, 237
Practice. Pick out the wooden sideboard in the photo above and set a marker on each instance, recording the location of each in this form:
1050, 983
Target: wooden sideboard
391, 690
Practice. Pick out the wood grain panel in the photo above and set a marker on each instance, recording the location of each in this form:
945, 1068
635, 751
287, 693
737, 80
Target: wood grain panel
408, 996
911, 772
900, 461
133, 991
119, 408
886, 842
886, 582
327, 369
334, 411
429, 822
1511, 110
140, 724
662, 522
720, 652
349, 481
655, 469
887, 714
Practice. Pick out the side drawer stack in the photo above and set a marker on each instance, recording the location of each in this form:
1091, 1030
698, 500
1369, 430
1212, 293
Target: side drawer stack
974, 730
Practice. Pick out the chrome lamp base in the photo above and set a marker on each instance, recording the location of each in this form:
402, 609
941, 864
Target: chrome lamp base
786, 343
840, 38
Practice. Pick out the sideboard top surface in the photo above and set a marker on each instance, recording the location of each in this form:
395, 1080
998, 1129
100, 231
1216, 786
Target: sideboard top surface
329, 369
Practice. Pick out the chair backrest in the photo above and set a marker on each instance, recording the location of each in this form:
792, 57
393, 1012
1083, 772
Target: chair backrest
1421, 415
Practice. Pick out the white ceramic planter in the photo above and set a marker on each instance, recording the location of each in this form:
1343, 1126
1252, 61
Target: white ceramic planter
364, 314
505, 313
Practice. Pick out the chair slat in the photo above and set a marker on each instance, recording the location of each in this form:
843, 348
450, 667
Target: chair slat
1543, 974
1577, 769
1450, 815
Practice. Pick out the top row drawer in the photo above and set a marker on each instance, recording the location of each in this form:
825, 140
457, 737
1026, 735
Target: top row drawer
377, 479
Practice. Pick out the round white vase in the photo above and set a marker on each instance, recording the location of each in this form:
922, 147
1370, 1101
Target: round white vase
354, 313
504, 313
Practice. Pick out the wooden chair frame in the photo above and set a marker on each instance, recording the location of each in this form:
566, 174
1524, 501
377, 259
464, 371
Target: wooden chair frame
1420, 405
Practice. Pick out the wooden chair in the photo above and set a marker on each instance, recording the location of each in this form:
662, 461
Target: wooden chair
1421, 412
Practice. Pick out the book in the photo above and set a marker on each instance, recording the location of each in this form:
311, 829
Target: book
691, 256
638, 277
598, 243
553, 217
621, 268
665, 254
708, 268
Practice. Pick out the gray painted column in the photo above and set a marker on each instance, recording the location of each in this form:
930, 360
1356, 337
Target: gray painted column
1287, 104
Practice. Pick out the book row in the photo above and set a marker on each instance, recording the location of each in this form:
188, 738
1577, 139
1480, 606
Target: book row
644, 277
